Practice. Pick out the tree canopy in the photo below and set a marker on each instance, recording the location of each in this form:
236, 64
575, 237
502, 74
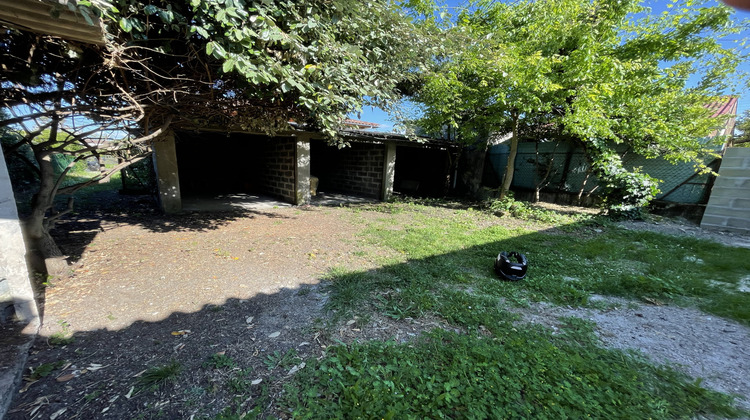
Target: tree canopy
742, 139
599, 73
248, 65
231, 64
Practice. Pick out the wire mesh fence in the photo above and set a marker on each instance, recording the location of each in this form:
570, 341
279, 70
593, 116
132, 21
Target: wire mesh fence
139, 178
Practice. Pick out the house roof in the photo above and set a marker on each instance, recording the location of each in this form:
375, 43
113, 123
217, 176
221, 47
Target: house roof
360, 124
724, 106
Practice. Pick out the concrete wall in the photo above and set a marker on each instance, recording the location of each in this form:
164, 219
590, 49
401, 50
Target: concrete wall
16, 294
729, 205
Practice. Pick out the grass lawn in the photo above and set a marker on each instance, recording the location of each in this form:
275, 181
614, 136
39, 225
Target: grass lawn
489, 365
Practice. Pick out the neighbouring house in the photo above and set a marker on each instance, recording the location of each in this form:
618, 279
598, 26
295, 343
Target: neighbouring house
373, 165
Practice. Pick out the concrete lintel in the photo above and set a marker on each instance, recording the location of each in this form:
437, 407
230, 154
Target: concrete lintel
389, 170
302, 170
167, 174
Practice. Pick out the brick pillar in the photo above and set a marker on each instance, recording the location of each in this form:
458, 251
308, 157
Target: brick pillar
389, 170
302, 170
167, 175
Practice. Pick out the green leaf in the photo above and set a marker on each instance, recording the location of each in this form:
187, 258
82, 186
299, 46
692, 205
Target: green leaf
204, 33
228, 65
125, 24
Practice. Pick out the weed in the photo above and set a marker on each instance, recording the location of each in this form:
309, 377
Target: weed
156, 377
220, 361
45, 369
62, 337
240, 382
242, 412
285, 360
44, 279
508, 206
93, 395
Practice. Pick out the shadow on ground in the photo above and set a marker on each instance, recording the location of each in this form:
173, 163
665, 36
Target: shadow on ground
240, 353
74, 233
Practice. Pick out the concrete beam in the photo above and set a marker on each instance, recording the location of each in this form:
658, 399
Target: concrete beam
389, 170
167, 174
302, 170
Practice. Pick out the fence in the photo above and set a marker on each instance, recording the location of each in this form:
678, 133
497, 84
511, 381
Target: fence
729, 206
562, 167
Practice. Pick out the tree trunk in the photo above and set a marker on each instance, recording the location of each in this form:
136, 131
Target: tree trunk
542, 183
473, 167
37, 226
511, 166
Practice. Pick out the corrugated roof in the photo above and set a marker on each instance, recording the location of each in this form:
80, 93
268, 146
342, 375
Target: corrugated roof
37, 16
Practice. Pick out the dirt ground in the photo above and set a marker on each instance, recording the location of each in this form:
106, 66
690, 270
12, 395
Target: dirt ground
145, 290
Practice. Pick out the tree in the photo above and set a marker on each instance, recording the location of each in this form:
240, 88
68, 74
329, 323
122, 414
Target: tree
594, 71
743, 126
250, 66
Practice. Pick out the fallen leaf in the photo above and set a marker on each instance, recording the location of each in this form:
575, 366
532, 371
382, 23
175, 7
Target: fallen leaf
249, 319
304, 343
65, 378
296, 369
350, 322
274, 335
57, 413
130, 393
256, 382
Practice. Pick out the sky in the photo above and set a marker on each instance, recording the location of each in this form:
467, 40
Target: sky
386, 123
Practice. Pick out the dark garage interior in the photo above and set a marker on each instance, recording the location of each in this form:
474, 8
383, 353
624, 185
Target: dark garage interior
213, 163
422, 172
